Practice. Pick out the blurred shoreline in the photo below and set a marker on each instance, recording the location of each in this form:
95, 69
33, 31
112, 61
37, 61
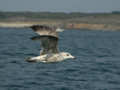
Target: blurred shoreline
91, 21
68, 25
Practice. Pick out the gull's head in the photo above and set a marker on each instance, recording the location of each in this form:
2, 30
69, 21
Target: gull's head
59, 30
67, 55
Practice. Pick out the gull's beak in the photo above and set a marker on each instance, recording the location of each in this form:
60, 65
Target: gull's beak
73, 57
29, 59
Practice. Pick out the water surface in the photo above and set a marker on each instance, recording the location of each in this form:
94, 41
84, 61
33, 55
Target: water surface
96, 67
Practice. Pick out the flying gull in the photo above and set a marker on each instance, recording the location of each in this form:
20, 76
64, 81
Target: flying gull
48, 37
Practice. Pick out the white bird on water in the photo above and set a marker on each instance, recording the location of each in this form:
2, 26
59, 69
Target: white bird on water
49, 43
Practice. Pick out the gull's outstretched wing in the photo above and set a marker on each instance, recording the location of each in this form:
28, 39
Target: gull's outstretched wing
48, 37
45, 30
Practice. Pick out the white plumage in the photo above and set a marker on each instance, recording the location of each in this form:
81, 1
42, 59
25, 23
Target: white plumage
51, 57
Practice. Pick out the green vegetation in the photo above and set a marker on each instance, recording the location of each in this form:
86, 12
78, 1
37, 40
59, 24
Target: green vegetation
47, 15
38, 15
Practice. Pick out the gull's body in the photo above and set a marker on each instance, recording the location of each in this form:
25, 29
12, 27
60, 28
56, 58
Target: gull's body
51, 57
49, 43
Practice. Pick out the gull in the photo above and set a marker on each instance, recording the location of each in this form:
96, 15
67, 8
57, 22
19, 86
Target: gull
48, 37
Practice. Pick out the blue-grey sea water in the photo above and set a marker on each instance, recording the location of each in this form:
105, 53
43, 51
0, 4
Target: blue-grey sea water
96, 67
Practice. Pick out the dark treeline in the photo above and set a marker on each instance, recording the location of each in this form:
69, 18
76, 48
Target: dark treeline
48, 15
43, 15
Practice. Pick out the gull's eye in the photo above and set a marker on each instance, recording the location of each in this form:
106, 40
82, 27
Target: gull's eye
67, 54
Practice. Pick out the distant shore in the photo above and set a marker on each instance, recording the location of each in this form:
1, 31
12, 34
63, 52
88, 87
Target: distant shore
68, 26
66, 21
